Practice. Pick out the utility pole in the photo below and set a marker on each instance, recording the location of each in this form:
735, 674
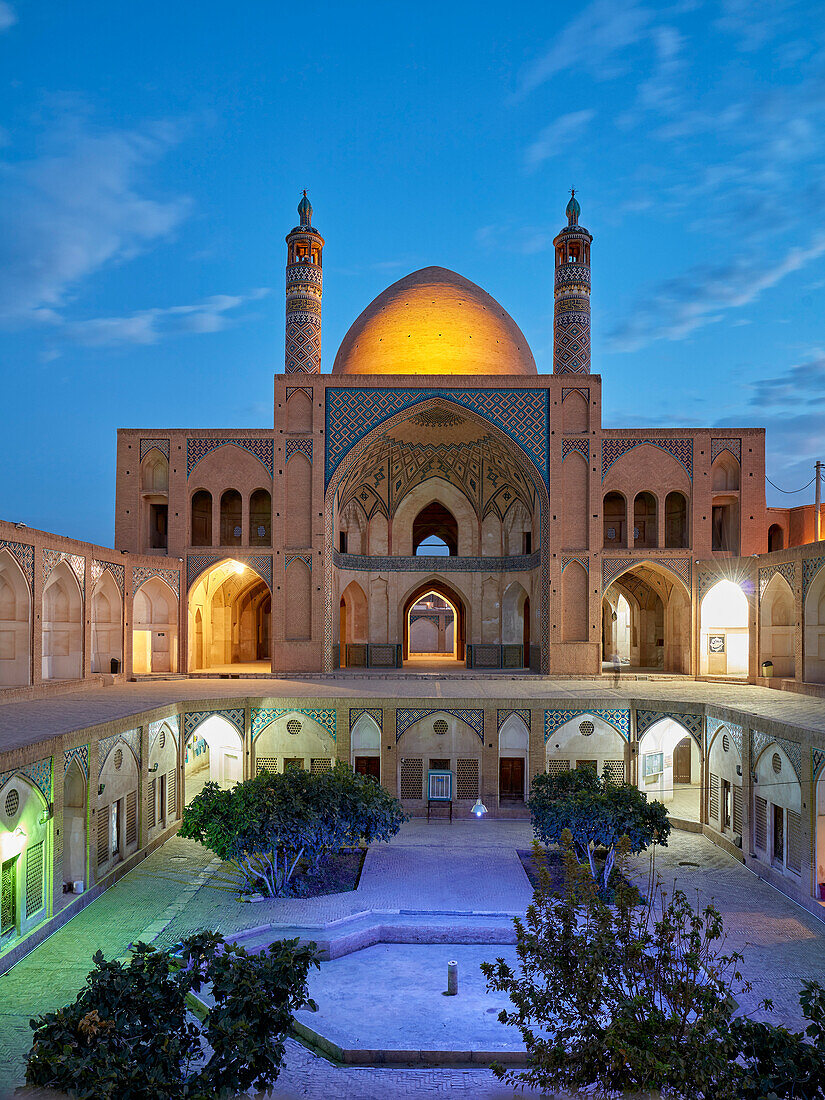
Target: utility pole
818, 501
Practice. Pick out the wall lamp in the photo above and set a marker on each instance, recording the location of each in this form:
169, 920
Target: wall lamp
101, 787
47, 814
154, 767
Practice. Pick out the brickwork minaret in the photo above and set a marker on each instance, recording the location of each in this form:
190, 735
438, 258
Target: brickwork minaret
571, 321
304, 288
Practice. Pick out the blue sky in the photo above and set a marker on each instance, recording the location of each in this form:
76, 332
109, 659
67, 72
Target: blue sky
152, 156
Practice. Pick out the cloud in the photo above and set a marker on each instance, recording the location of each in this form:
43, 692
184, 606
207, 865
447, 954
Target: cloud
554, 138
804, 381
702, 295
591, 41
8, 16
149, 326
80, 205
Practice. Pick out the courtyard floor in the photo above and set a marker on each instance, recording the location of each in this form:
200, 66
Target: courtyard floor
458, 872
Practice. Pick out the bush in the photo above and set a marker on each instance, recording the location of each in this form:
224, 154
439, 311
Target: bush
597, 813
128, 1033
267, 825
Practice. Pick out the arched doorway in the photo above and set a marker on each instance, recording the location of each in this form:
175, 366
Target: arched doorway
107, 628
670, 768
814, 637
213, 753
294, 740
776, 627
154, 628
230, 613
365, 741
586, 741
62, 626
15, 623
433, 617
353, 625
74, 827
724, 635
646, 620
25, 857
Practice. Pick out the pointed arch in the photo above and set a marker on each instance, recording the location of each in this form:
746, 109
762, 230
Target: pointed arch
575, 497
298, 602
574, 603
15, 623
814, 636
107, 623
724, 615
452, 597
62, 625
777, 630
154, 627
298, 475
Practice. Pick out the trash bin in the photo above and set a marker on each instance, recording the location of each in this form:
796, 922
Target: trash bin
114, 665
767, 668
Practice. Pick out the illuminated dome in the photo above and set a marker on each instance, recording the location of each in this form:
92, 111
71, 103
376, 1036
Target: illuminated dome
434, 322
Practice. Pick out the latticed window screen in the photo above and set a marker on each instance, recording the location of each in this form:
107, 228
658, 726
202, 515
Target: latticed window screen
293, 762
131, 818
466, 779
556, 767
34, 879
153, 804
760, 823
412, 778
737, 809
172, 794
794, 842
714, 797
267, 764
319, 765
102, 835
615, 770
8, 907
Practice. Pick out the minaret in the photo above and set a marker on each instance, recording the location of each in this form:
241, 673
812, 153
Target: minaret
304, 287
571, 322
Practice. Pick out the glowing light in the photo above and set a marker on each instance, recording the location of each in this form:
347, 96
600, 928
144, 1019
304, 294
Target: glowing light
725, 606
238, 566
479, 809
12, 844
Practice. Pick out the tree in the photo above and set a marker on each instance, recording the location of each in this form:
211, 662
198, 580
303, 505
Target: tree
266, 826
618, 997
128, 1033
598, 813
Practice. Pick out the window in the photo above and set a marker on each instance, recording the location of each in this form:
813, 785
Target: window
412, 778
260, 518
202, 518
231, 518
778, 834
342, 542
614, 513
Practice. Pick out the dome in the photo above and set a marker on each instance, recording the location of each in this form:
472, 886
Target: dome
434, 321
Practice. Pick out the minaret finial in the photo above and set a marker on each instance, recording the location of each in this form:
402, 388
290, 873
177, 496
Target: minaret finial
573, 209
305, 211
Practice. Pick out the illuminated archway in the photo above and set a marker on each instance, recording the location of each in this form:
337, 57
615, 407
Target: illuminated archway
230, 612
646, 619
670, 768
451, 634
213, 753
723, 636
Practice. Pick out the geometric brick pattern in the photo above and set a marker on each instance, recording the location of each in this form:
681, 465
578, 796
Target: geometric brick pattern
171, 723
262, 449
583, 561
39, 773
105, 745
618, 719
77, 563
146, 445
81, 754
714, 725
299, 446
582, 446
324, 716
576, 389
142, 573
691, 722
817, 761
23, 555
376, 713
810, 568
406, 718
681, 449
198, 563
786, 570
732, 445
612, 567
503, 715
760, 741
305, 558
118, 573
191, 721
352, 413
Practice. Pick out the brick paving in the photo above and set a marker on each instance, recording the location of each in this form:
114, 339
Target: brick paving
781, 942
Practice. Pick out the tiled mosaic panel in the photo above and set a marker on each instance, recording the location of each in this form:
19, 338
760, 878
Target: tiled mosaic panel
299, 446
117, 571
502, 716
172, 723
817, 760
153, 443
39, 773
105, 745
77, 564
581, 446
305, 558
612, 567
143, 573
199, 563
324, 716
583, 390
81, 754
810, 568
692, 723
191, 721
583, 561
760, 741
23, 555
352, 413
786, 570
714, 725
298, 389
732, 445
406, 718
262, 449
681, 449
376, 713
618, 719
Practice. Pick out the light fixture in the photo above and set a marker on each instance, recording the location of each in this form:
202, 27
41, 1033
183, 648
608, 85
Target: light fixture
479, 809
154, 767
101, 787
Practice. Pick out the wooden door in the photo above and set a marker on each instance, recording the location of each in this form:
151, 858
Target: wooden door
681, 761
369, 765
511, 779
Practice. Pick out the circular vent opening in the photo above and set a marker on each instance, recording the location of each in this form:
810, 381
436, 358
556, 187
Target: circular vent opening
777, 763
293, 726
725, 742
162, 739
586, 728
440, 726
119, 759
12, 803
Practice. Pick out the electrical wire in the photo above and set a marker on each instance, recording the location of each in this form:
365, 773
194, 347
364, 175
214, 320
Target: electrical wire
789, 492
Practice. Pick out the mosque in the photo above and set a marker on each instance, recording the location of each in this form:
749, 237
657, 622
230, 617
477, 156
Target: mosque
434, 559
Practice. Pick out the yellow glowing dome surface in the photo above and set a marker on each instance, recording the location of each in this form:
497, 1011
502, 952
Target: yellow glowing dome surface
434, 322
